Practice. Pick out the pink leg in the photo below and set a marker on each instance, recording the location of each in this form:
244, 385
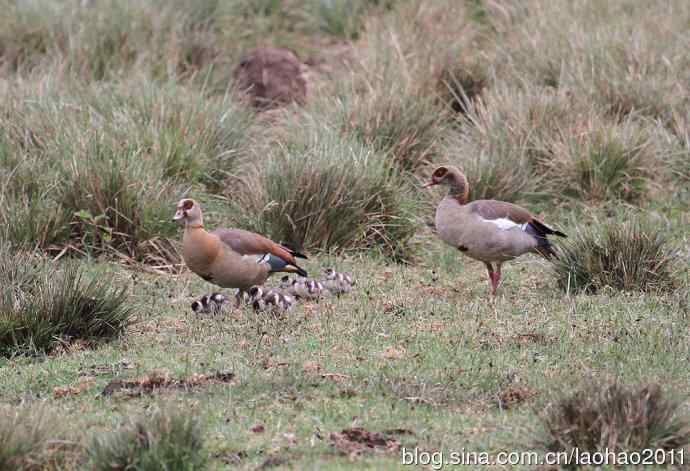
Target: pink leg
493, 281
494, 276
497, 278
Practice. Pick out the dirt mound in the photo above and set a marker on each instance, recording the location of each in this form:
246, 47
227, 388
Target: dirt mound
272, 77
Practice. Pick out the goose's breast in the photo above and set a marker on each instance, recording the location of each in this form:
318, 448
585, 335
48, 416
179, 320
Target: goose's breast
451, 223
479, 238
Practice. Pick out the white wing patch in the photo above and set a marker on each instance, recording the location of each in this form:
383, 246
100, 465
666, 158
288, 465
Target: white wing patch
506, 224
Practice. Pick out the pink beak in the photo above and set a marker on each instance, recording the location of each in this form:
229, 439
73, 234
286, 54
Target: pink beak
429, 184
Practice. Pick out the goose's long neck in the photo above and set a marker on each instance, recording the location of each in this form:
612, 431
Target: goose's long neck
195, 223
459, 188
194, 228
194, 231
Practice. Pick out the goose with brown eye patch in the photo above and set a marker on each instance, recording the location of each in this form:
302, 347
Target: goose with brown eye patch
231, 258
490, 231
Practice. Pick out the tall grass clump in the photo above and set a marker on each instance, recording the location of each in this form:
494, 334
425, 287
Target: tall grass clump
102, 40
605, 161
115, 202
170, 439
324, 190
626, 58
30, 440
406, 127
522, 120
504, 141
42, 306
462, 82
193, 135
97, 166
391, 101
544, 142
633, 255
615, 417
32, 217
678, 158
344, 18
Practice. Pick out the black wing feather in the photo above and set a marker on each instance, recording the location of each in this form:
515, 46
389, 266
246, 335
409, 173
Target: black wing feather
543, 230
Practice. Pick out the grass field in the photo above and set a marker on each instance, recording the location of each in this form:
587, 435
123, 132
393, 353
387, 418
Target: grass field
110, 112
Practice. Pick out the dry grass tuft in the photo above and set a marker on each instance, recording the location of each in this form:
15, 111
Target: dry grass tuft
391, 99
169, 439
615, 417
30, 440
323, 190
603, 161
462, 82
42, 307
406, 127
630, 256
533, 142
626, 58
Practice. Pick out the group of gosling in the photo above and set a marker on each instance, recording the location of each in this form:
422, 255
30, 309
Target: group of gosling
282, 298
489, 231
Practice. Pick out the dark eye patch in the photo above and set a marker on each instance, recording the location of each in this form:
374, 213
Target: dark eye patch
440, 172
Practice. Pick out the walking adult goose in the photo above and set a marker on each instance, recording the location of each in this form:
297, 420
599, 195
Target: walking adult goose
490, 231
231, 258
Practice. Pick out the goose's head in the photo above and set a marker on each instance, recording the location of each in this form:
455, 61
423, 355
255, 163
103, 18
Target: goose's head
188, 212
453, 178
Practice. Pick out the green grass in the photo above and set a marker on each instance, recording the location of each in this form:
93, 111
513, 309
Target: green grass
634, 255
324, 190
170, 439
401, 351
96, 166
33, 438
43, 307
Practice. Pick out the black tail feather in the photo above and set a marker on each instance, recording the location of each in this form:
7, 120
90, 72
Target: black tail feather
294, 253
278, 264
543, 230
291, 249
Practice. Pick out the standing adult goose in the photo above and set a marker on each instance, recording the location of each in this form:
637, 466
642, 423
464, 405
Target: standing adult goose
490, 231
231, 258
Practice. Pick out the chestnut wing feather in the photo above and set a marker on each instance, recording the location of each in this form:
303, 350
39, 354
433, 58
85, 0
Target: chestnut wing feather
491, 209
248, 243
